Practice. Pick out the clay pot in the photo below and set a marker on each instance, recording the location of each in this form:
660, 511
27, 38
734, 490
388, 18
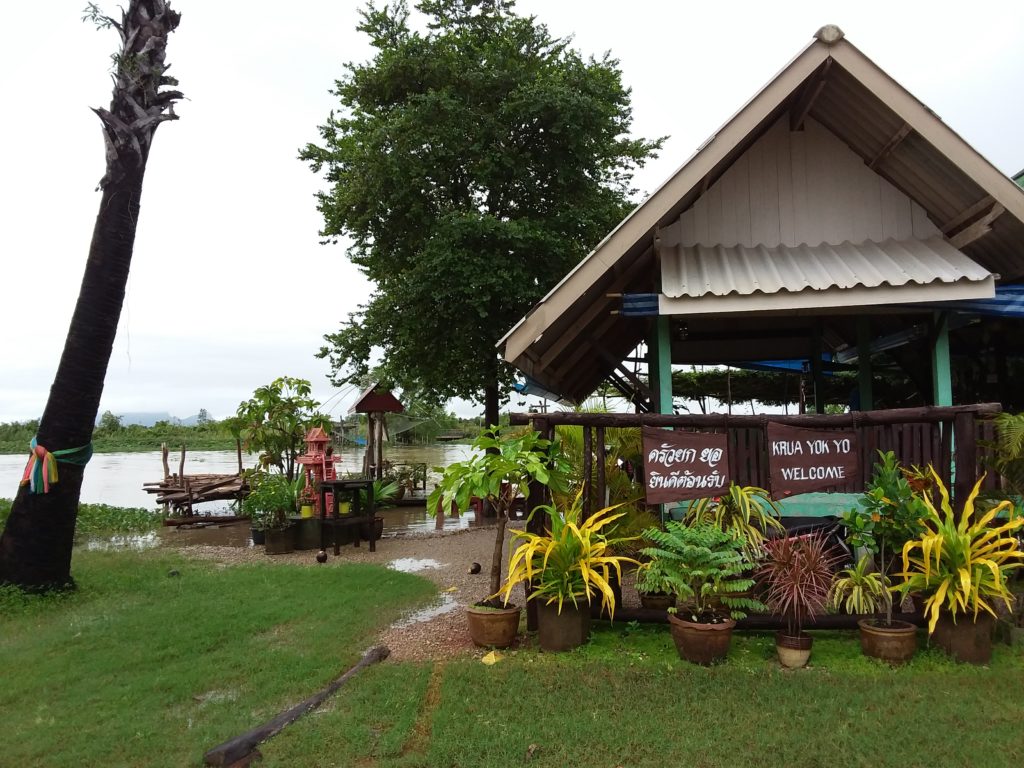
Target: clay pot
562, 631
657, 601
966, 640
493, 627
258, 537
894, 643
279, 541
704, 644
794, 651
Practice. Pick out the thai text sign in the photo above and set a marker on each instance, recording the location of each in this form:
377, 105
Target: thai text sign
684, 465
802, 460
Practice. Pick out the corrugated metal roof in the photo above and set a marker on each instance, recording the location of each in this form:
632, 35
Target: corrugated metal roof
701, 270
558, 342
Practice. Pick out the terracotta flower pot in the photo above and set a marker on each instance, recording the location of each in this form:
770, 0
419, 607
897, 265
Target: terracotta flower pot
894, 643
703, 644
562, 631
493, 627
966, 640
657, 601
794, 651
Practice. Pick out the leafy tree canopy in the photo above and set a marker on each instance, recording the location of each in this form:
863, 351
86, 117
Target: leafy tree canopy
472, 164
275, 420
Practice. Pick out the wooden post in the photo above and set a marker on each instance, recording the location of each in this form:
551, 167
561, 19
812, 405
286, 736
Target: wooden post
588, 470
602, 491
238, 448
181, 466
864, 383
379, 445
965, 462
163, 458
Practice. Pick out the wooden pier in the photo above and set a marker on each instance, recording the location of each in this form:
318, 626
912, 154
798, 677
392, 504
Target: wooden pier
180, 492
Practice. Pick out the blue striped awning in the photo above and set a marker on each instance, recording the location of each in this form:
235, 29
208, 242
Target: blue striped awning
639, 304
1008, 302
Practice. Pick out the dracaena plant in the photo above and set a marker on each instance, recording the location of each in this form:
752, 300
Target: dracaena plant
796, 574
570, 563
746, 513
703, 566
961, 562
859, 589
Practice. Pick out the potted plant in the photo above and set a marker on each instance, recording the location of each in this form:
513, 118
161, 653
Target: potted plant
889, 515
746, 513
796, 575
271, 499
863, 590
568, 565
502, 468
705, 568
959, 564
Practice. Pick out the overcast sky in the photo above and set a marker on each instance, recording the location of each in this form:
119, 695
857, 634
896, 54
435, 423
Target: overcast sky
230, 287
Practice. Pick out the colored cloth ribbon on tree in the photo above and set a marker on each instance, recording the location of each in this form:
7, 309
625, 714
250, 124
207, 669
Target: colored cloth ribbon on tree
41, 470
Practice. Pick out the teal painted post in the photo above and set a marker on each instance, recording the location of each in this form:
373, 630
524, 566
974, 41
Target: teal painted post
942, 377
663, 387
864, 364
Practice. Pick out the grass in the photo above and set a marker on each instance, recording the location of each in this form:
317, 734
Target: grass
142, 668
627, 700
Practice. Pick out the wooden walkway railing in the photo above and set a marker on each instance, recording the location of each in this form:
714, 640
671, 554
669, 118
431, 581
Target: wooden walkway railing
949, 438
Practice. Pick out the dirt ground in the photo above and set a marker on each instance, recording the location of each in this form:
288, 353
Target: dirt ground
445, 557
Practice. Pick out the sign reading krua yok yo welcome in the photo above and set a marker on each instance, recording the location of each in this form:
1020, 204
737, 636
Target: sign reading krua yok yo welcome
803, 460
684, 465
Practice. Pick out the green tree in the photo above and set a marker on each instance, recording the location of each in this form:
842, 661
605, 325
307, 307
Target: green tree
35, 548
275, 420
109, 423
472, 165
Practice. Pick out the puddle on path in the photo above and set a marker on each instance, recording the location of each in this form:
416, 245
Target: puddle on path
413, 564
447, 604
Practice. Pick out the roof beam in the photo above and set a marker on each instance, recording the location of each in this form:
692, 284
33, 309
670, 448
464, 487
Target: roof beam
981, 227
808, 96
967, 214
890, 146
596, 308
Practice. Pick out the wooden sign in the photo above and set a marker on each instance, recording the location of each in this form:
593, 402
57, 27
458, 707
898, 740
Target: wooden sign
684, 465
803, 460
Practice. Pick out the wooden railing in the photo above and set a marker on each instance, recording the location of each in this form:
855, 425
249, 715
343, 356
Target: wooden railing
951, 439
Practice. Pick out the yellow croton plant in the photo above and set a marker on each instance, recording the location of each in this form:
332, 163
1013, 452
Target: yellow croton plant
960, 563
571, 561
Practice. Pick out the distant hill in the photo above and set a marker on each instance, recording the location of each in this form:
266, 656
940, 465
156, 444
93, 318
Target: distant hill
149, 418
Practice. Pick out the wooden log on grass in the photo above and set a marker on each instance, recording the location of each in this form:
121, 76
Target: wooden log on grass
240, 747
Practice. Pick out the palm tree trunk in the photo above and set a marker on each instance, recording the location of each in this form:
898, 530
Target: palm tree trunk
35, 548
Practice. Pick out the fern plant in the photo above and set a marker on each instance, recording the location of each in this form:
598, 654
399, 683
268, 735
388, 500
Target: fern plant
703, 566
1008, 450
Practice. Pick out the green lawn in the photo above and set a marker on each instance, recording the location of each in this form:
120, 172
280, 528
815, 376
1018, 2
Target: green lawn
139, 668
143, 668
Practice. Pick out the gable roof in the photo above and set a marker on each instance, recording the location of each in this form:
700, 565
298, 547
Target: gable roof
375, 399
570, 340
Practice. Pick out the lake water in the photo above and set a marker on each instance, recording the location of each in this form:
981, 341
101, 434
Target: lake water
117, 478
